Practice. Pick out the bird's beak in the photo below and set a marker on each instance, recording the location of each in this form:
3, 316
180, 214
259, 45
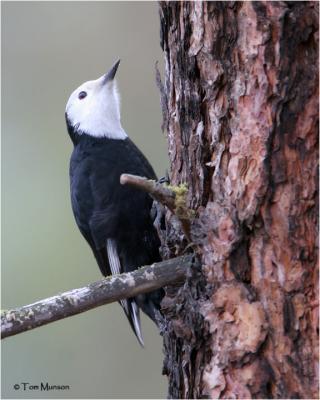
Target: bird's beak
111, 73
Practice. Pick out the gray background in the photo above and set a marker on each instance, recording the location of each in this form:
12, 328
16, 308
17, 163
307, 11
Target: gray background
48, 49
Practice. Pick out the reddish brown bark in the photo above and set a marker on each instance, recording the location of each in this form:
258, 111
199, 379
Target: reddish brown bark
240, 105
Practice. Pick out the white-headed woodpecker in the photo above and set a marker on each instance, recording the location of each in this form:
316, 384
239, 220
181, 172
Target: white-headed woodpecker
114, 219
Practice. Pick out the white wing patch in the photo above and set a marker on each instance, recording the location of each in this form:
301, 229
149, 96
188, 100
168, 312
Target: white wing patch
115, 266
113, 257
130, 307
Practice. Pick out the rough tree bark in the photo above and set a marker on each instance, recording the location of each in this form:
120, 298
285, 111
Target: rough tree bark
240, 107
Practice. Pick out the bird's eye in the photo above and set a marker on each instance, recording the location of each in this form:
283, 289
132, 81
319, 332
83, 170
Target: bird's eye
82, 95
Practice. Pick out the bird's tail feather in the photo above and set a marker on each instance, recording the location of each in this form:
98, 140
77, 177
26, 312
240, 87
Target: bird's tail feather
133, 314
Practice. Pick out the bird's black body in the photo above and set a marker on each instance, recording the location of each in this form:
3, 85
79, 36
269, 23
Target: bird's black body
114, 219
104, 209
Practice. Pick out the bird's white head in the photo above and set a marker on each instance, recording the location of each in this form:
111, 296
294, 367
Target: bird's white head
94, 108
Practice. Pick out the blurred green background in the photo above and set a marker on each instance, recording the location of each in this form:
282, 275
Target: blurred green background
48, 49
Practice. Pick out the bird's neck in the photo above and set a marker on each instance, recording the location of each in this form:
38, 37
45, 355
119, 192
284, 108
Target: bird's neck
77, 135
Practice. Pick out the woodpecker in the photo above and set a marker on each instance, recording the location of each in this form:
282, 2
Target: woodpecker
114, 219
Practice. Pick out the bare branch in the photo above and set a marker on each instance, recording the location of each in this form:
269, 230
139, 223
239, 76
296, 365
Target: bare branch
102, 292
173, 199
160, 193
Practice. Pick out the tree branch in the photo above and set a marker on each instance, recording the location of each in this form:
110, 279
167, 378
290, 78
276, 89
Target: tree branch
172, 197
102, 292
160, 193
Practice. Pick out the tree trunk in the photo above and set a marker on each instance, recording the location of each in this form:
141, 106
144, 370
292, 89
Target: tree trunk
240, 107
